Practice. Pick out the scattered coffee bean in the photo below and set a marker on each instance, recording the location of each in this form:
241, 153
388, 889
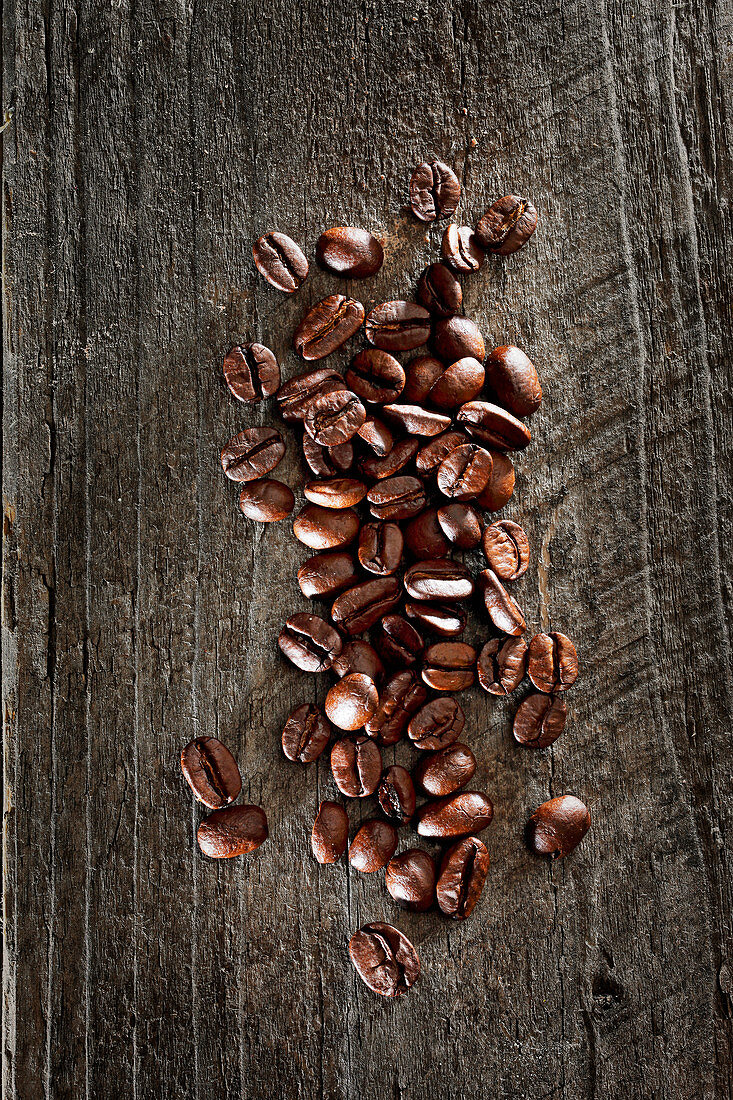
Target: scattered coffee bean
540, 720
211, 772
252, 453
449, 666
457, 383
330, 834
552, 662
429, 458
461, 525
309, 642
325, 528
504, 611
458, 338
380, 548
400, 456
462, 876
333, 418
457, 815
349, 252
424, 537
328, 325
305, 734
294, 396
327, 574
401, 696
396, 498
358, 608
439, 291
436, 725
421, 374
507, 549
558, 826
443, 772
396, 794
493, 426
376, 435
279, 260
359, 656
373, 846
448, 620
513, 378
375, 376
327, 461
441, 580
398, 326
234, 831
460, 249
398, 642
507, 225
352, 701
465, 473
410, 879
337, 492
501, 484
384, 959
266, 500
356, 765
434, 191
502, 664
251, 372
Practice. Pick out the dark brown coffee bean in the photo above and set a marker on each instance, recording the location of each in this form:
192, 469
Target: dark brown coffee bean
441, 580
396, 498
327, 574
380, 548
234, 831
358, 608
424, 537
211, 772
465, 472
457, 815
449, 666
377, 436
359, 656
552, 662
558, 826
352, 701
356, 764
444, 619
501, 484
333, 418
504, 611
513, 378
502, 664
266, 500
439, 291
420, 374
373, 846
399, 644
446, 771
458, 338
429, 458
328, 325
375, 376
460, 249
462, 875
417, 421
540, 720
461, 525
327, 461
434, 191
401, 696
457, 383
507, 225
330, 834
252, 453
400, 456
305, 734
325, 528
309, 642
436, 725
398, 326
396, 794
251, 372
349, 252
384, 959
279, 260
410, 879
294, 396
337, 492
507, 549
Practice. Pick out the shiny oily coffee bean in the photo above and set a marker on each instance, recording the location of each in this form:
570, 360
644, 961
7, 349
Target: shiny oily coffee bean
429, 458
327, 461
460, 249
540, 720
443, 772
410, 879
309, 642
352, 701
252, 453
359, 656
424, 537
499, 490
327, 574
504, 611
328, 325
396, 794
434, 191
325, 528
448, 620
417, 421
436, 725
266, 500
449, 666
294, 396
502, 664
280, 261
458, 338
457, 815
377, 469
398, 326
462, 876
380, 548
439, 291
401, 696
558, 826
465, 473
234, 831
384, 959
507, 225
330, 834
333, 418
507, 549
358, 608
396, 498
212, 773
373, 846
377, 436
441, 580
420, 374
461, 525
457, 383
356, 765
552, 662
398, 642
305, 734
349, 252
251, 372
375, 376
513, 378
337, 492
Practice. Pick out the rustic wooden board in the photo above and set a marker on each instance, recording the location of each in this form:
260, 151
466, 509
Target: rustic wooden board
150, 142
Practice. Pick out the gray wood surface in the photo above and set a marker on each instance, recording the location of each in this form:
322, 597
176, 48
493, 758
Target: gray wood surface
150, 142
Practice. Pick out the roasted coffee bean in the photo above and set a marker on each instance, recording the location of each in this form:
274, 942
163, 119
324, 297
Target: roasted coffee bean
396, 794
356, 764
399, 644
349, 252
501, 484
294, 396
337, 492
461, 525
396, 498
375, 376
513, 378
400, 456
384, 959
457, 815
446, 771
410, 879
279, 260
417, 421
504, 611
429, 458
305, 734
325, 528
234, 831
328, 325
460, 249
400, 697
507, 549
352, 701
373, 846
493, 426
252, 453
436, 725
327, 461
558, 826
330, 834
458, 383
552, 662
333, 418
447, 620
359, 656
540, 720
380, 548
251, 372
266, 500
377, 436
441, 580
424, 537
420, 374
458, 338
212, 773
327, 574
507, 225
449, 666
439, 291
462, 875
502, 664
309, 642
398, 326
434, 191
465, 473
358, 608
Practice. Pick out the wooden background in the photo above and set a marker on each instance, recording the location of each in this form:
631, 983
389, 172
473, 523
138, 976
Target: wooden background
149, 142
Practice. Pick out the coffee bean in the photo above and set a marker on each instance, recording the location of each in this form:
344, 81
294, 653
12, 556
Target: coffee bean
507, 225
460, 249
461, 525
458, 338
558, 826
373, 846
325, 528
396, 498
279, 260
399, 644
380, 548
446, 771
493, 426
552, 663
375, 376
398, 326
421, 374
309, 642
377, 436
356, 764
396, 794
424, 537
504, 611
501, 484
507, 549
352, 701
444, 619
349, 252
294, 396
502, 665
457, 815
211, 772
327, 574
327, 461
432, 454
410, 879
266, 500
333, 418
337, 492
252, 453
359, 656
330, 833
401, 696
400, 456
441, 580
436, 725
513, 378
462, 875
449, 666
457, 383
434, 191
439, 291
384, 959
540, 720
251, 372
234, 831
465, 472
305, 734
358, 608
417, 421
328, 325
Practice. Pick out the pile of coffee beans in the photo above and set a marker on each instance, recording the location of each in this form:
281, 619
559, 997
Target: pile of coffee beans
405, 458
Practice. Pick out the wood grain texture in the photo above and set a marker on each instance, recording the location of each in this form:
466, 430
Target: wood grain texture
151, 141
